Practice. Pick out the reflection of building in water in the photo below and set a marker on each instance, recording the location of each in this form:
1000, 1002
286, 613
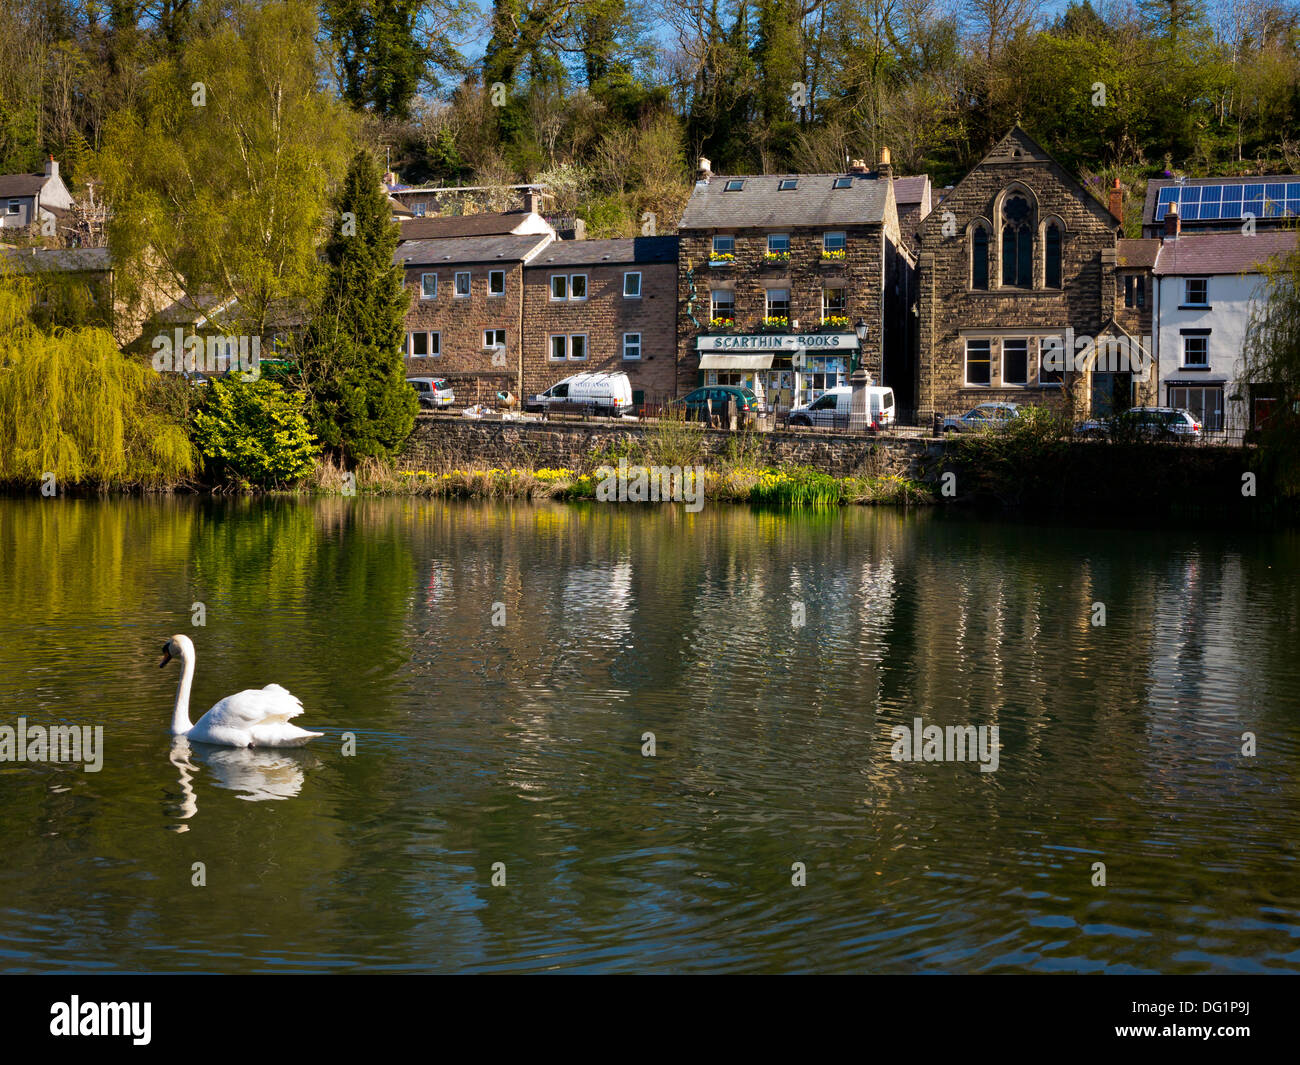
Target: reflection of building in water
1200, 655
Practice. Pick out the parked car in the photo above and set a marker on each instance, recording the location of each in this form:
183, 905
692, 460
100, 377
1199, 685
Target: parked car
983, 416
433, 392
694, 406
604, 392
832, 408
1144, 423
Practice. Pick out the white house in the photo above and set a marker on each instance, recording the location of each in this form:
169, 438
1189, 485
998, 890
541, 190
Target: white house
28, 199
1206, 285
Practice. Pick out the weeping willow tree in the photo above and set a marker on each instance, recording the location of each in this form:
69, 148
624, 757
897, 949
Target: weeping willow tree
73, 405
1271, 371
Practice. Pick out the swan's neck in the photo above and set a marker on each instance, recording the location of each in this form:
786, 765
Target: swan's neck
181, 714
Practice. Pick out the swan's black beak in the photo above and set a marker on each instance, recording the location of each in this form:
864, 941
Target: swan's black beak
167, 655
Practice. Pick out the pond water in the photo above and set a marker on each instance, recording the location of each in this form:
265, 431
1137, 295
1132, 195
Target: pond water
499, 669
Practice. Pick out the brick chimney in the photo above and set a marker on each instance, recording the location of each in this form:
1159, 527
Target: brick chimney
1117, 200
704, 170
532, 201
1173, 224
858, 166
52, 167
886, 166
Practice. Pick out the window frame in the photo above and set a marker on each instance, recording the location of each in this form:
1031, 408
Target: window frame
627, 274
564, 344
496, 273
564, 284
1200, 338
425, 294
977, 231
767, 303
988, 360
729, 238
1204, 302
586, 348
432, 341
713, 303
843, 244
494, 346
572, 279
778, 237
843, 312
1002, 353
469, 284
628, 344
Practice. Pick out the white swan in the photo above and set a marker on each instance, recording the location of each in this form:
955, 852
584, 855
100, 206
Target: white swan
256, 717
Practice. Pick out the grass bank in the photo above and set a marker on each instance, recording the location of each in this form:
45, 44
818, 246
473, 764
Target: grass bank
731, 483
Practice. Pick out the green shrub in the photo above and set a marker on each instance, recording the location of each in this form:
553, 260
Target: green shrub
254, 430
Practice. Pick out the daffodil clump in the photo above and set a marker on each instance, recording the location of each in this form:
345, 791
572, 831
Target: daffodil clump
798, 486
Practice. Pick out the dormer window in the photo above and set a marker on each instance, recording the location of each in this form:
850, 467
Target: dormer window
734, 185
786, 184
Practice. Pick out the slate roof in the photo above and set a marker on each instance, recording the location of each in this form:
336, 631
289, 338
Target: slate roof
468, 225
909, 191
454, 250
1222, 253
598, 252
1137, 253
814, 202
71, 260
22, 184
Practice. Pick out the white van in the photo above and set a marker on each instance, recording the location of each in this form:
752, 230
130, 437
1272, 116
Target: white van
604, 392
831, 409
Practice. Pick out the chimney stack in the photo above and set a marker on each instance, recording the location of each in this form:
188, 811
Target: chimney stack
858, 166
532, 201
1173, 224
1117, 200
704, 171
52, 167
886, 167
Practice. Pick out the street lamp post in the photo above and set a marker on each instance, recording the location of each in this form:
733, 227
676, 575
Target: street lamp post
859, 380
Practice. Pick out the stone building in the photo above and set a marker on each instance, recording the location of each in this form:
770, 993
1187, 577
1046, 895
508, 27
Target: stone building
1019, 273
603, 305
776, 272
466, 317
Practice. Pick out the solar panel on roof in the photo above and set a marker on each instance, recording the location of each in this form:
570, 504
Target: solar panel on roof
1230, 200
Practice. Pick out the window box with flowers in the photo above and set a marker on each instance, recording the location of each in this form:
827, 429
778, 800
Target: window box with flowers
835, 323
833, 255
722, 325
777, 324
721, 258
775, 258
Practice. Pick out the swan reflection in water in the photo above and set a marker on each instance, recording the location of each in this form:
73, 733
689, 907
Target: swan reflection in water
256, 773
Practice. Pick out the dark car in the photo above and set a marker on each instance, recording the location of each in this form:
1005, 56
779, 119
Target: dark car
695, 405
1144, 423
984, 416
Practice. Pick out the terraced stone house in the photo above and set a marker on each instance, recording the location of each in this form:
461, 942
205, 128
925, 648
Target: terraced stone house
778, 272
